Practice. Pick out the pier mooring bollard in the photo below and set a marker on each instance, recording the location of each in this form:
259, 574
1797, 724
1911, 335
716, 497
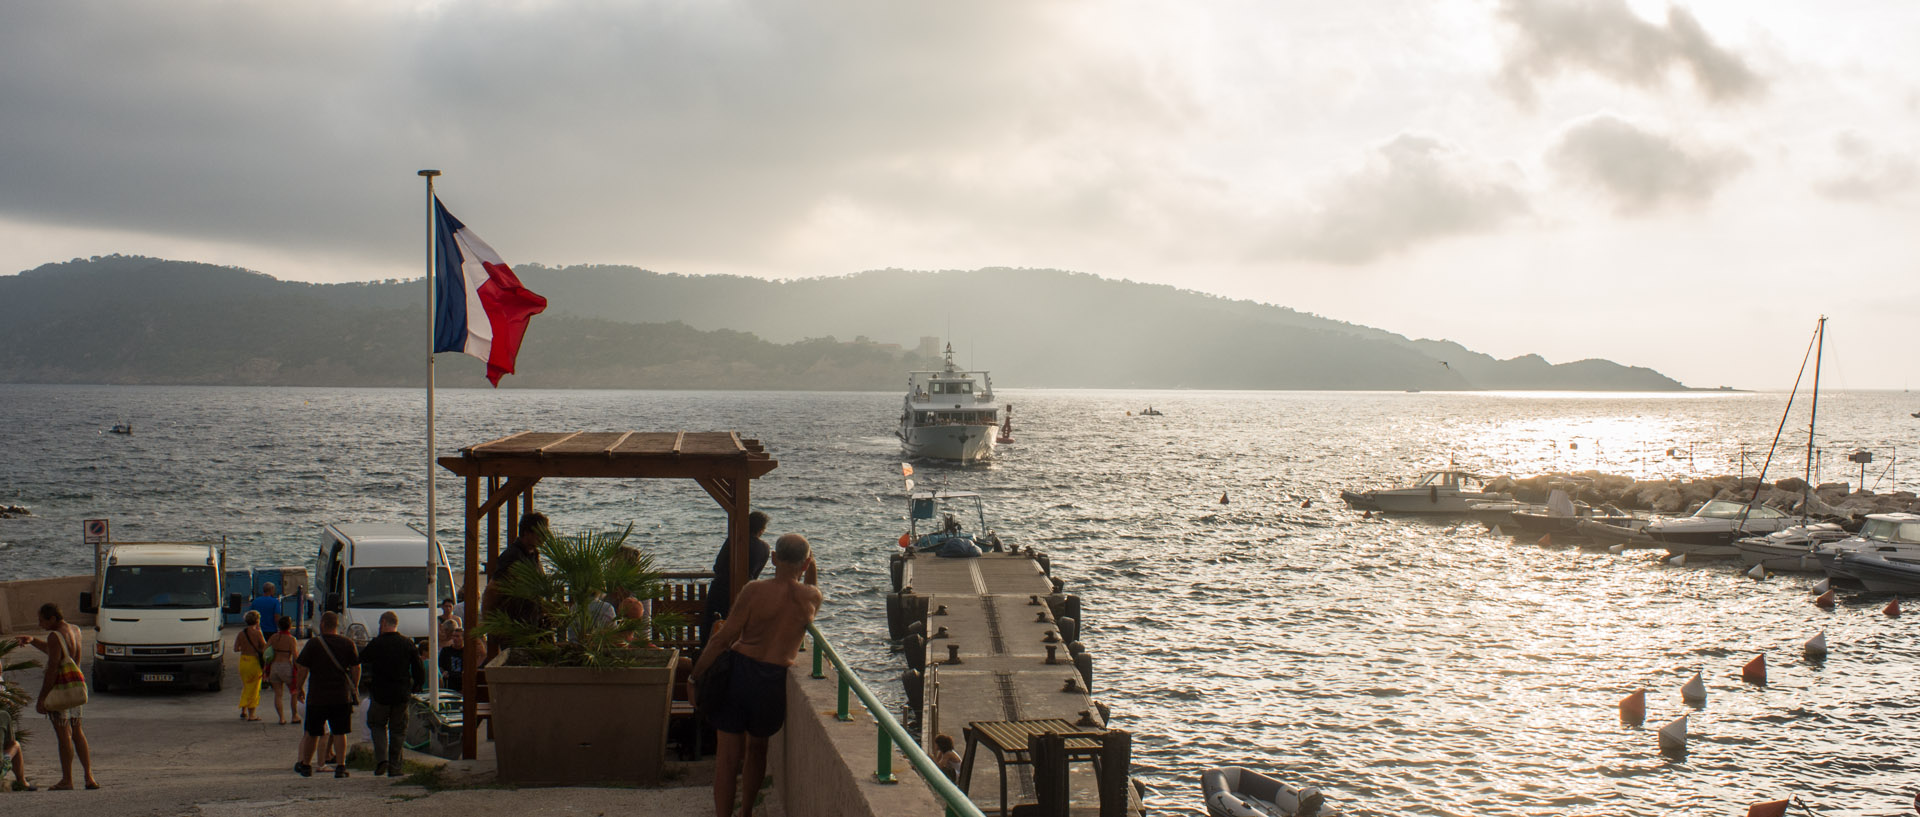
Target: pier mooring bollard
1053, 654
953, 653
1633, 708
1694, 691
1040, 617
1816, 646
941, 633
1673, 737
1755, 672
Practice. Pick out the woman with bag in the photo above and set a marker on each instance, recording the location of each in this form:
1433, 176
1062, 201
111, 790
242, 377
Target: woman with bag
279, 669
254, 652
63, 691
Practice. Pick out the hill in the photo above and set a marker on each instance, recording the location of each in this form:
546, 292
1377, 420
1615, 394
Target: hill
124, 319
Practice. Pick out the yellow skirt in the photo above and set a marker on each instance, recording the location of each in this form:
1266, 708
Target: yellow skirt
250, 675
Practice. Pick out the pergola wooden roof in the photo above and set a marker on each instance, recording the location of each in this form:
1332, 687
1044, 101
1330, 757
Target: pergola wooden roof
720, 461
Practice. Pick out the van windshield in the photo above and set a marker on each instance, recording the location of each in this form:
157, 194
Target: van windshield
145, 587
393, 588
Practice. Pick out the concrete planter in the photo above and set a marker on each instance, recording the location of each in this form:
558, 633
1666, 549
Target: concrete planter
565, 726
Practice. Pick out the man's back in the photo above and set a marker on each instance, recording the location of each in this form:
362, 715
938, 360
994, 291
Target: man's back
393, 667
774, 614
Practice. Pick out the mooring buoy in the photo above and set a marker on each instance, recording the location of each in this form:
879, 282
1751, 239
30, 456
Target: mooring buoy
1822, 586
1678, 561
1496, 531
1758, 573
1546, 540
1824, 601
1817, 645
1893, 609
1770, 808
1755, 672
1617, 548
1694, 691
1633, 708
1673, 737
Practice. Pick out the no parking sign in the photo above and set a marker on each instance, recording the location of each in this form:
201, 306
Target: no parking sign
96, 531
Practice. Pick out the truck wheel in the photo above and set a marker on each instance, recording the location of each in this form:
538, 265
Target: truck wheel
218, 678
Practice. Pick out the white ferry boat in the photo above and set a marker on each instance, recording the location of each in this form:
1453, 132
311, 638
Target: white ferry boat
949, 415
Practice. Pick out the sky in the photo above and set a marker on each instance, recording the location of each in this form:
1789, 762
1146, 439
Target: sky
1681, 186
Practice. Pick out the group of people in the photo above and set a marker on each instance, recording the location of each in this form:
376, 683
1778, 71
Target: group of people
330, 668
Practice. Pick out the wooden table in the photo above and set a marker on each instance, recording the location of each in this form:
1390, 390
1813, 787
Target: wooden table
1008, 742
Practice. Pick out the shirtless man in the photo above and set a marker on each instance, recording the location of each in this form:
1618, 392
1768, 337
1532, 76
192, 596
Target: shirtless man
769, 621
62, 636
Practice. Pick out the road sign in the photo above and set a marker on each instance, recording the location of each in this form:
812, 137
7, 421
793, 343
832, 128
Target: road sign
96, 531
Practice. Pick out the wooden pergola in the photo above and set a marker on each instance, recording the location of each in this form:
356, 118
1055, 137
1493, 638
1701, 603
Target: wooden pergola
719, 461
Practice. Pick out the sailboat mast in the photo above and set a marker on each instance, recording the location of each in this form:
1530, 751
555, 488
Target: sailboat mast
1813, 414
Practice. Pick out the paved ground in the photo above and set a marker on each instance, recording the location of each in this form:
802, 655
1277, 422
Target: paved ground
188, 753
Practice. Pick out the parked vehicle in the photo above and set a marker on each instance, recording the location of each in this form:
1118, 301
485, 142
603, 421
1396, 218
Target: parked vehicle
158, 611
365, 569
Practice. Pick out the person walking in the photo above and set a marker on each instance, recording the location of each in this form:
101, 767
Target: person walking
722, 584
279, 670
394, 673
62, 644
330, 666
759, 642
251, 645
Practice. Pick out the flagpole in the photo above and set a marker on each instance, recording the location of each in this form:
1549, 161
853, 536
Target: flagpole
433, 538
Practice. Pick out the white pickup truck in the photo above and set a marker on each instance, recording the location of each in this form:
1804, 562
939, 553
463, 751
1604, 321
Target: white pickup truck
157, 616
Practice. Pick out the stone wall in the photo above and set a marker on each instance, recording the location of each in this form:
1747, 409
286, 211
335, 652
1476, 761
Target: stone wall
20, 601
1679, 496
824, 768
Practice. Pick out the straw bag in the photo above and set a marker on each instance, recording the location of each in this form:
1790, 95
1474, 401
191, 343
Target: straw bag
69, 686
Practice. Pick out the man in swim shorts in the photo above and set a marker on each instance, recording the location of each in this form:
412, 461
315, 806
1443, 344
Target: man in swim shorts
764, 633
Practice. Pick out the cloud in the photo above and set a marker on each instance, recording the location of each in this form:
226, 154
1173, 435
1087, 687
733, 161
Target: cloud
1641, 170
1411, 190
1605, 37
1866, 172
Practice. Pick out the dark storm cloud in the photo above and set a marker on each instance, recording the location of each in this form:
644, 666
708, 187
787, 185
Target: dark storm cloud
1641, 170
1411, 190
1867, 173
1605, 37
597, 126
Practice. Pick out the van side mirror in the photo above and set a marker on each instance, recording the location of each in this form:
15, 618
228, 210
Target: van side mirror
86, 603
235, 601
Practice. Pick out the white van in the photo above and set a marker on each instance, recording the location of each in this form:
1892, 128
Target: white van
365, 569
157, 616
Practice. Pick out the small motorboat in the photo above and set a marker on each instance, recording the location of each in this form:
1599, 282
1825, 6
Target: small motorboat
1711, 531
1790, 550
1449, 491
1498, 513
1232, 791
1894, 536
1881, 574
121, 428
1610, 531
1150, 412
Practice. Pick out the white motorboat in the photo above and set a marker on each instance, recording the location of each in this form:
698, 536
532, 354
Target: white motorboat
1790, 550
1711, 531
1448, 491
1881, 574
1893, 536
1232, 791
949, 415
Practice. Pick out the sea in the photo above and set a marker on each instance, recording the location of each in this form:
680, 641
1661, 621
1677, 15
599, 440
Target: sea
1237, 611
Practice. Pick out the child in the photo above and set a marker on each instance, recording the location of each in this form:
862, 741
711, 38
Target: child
945, 757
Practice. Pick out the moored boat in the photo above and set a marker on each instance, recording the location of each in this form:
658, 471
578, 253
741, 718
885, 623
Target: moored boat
1790, 550
1887, 535
949, 414
1711, 531
1448, 491
1232, 791
1881, 574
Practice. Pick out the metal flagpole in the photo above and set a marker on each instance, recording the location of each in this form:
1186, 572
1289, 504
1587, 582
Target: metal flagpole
433, 538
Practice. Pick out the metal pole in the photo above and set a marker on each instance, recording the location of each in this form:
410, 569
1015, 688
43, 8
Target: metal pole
433, 539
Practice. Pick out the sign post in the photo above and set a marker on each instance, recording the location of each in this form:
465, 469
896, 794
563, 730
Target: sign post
94, 532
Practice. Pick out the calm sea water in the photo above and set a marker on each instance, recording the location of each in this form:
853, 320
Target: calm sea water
1405, 666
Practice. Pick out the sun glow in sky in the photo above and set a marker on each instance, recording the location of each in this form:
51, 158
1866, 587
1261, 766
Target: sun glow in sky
1681, 186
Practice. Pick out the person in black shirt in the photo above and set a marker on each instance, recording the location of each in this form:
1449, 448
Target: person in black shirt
524, 550
394, 671
331, 668
453, 654
717, 590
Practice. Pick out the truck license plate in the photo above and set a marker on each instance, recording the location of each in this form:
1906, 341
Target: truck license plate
157, 677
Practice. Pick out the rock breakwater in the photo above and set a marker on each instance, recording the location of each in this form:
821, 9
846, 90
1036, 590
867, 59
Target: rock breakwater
1673, 496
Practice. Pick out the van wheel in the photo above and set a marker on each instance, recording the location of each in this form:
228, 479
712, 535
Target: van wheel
214, 686
99, 684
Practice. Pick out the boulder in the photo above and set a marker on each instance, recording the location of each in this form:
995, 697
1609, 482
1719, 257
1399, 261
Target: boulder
1667, 500
1794, 484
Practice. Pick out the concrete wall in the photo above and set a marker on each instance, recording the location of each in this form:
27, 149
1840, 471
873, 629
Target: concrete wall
824, 768
20, 601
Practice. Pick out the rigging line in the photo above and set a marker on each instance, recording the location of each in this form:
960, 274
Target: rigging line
1748, 507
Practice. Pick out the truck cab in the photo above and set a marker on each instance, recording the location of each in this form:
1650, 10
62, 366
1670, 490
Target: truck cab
365, 569
157, 616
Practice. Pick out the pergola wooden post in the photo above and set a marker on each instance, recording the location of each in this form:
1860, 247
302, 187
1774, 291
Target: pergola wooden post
722, 463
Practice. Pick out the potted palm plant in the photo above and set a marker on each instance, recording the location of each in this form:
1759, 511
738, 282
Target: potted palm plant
578, 695
13, 703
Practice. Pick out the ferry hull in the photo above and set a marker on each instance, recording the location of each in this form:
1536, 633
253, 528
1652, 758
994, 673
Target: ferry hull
960, 443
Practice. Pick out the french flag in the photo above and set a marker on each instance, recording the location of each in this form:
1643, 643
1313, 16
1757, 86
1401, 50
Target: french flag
483, 309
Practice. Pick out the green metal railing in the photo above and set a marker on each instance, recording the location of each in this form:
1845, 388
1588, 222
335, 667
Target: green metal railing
890, 731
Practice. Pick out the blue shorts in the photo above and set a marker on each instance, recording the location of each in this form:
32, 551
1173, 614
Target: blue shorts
756, 701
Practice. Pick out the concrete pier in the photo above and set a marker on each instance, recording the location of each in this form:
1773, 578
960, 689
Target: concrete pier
980, 629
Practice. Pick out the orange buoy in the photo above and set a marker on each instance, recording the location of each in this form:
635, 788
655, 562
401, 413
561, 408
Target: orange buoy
1893, 609
906, 540
1547, 539
1223, 497
1771, 808
1755, 672
1825, 601
1633, 708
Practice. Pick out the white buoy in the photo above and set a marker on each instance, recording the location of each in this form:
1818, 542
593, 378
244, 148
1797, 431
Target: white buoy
1694, 691
1497, 531
1673, 737
1619, 548
1822, 586
1817, 645
1678, 561
1758, 573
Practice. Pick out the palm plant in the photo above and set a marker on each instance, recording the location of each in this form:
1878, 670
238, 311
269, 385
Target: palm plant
569, 632
12, 696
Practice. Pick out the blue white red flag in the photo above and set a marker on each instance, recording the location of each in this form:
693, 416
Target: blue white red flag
483, 308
